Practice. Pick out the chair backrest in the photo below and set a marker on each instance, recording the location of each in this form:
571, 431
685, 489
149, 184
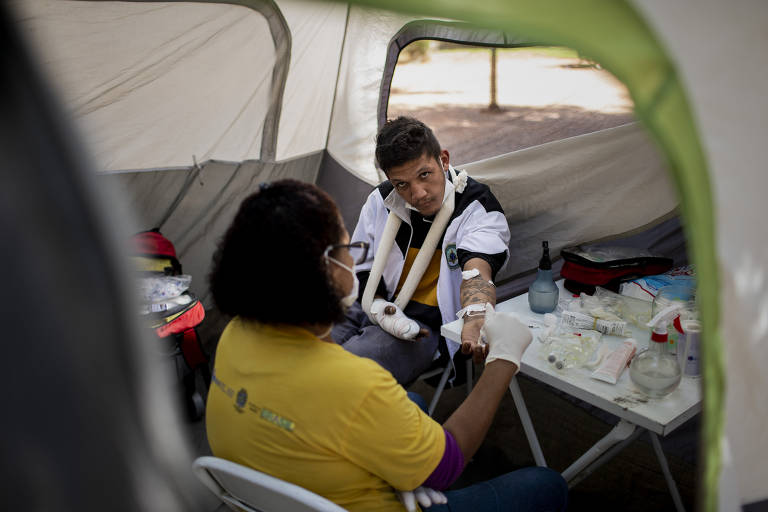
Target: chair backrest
255, 491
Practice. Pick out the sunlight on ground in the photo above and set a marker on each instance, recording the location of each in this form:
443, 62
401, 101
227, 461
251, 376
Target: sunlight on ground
544, 95
524, 78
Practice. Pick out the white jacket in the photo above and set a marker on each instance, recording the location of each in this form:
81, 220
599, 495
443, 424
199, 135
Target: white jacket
477, 225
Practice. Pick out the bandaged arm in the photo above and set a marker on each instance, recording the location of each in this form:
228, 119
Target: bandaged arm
392, 320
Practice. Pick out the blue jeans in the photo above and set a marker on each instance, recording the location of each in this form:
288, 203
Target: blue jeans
418, 400
529, 489
405, 360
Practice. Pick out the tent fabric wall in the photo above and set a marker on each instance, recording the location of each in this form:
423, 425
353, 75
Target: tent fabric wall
159, 99
317, 33
723, 64
577, 190
349, 192
205, 203
354, 118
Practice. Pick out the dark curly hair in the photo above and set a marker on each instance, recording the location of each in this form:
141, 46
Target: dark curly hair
269, 267
402, 140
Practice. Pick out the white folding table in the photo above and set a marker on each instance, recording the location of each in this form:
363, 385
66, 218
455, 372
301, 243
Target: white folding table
637, 413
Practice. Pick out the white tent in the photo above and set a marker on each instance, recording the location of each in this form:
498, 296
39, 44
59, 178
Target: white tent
187, 106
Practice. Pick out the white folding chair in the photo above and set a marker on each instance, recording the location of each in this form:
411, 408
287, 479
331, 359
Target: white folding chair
243, 488
444, 374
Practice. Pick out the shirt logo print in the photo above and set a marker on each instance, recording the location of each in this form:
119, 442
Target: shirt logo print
241, 399
452, 256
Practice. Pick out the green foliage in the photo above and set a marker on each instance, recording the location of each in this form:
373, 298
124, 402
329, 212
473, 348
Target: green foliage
417, 50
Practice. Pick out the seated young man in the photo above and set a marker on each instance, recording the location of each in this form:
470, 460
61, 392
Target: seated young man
439, 239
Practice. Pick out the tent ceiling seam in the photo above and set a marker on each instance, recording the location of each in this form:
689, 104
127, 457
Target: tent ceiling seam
204, 211
191, 177
338, 76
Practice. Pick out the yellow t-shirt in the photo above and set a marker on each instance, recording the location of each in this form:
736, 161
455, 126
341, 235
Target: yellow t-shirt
308, 412
426, 290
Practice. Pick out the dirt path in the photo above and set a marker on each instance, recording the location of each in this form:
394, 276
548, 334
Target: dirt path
542, 99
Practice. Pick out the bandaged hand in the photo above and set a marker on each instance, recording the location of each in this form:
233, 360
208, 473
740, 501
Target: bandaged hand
424, 495
507, 337
392, 320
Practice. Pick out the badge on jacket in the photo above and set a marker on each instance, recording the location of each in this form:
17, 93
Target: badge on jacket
452, 256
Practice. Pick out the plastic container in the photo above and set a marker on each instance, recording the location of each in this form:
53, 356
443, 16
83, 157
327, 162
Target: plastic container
568, 348
613, 365
656, 371
688, 349
543, 293
675, 294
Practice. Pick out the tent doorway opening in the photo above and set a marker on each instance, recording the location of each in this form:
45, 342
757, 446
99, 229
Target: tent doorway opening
486, 101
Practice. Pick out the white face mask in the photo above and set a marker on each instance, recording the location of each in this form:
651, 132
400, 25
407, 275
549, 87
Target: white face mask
351, 297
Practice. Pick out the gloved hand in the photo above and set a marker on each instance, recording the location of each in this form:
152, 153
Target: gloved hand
424, 495
392, 320
506, 336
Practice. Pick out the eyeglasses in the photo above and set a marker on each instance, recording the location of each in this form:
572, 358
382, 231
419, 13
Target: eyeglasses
358, 250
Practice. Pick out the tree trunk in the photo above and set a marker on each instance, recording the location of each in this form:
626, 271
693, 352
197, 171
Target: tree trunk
493, 106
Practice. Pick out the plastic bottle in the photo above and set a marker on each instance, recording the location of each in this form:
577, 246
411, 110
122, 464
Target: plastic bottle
543, 293
688, 354
655, 370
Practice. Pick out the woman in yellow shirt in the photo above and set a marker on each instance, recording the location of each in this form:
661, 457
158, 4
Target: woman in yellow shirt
288, 401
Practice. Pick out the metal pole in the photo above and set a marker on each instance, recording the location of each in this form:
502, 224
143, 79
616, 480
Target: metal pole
667, 473
530, 433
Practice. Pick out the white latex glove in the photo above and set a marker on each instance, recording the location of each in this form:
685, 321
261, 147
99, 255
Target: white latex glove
506, 336
396, 324
424, 495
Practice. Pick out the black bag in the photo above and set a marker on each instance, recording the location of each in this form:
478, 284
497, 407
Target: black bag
586, 267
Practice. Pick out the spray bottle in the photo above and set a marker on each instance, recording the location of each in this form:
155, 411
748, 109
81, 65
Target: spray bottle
656, 371
543, 292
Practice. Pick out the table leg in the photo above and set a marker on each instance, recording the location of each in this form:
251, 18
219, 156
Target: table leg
667, 474
620, 432
530, 433
602, 459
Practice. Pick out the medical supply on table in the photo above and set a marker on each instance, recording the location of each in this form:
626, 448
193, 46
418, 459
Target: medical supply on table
162, 288
613, 365
584, 321
592, 306
688, 349
646, 288
168, 305
655, 370
569, 348
675, 294
548, 326
543, 293
630, 309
